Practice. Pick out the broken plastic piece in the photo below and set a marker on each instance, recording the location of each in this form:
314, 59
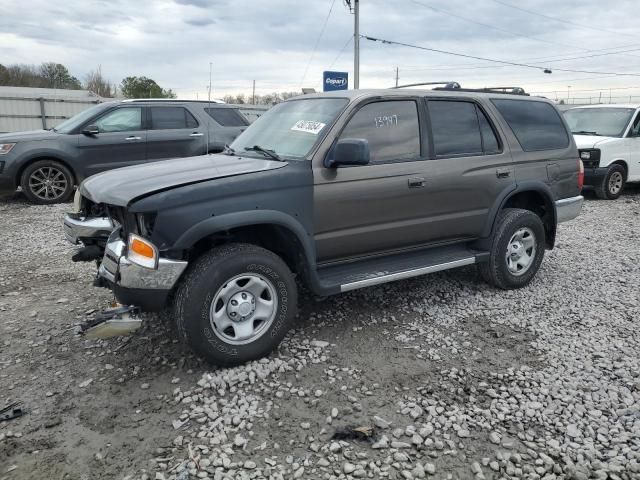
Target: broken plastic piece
363, 433
112, 322
11, 412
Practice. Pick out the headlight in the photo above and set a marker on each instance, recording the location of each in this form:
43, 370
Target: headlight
591, 156
77, 201
6, 148
142, 252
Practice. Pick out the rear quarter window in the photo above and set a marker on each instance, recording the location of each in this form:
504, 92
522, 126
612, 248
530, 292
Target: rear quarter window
227, 117
536, 125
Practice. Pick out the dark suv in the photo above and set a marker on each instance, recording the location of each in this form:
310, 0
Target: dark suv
338, 192
47, 164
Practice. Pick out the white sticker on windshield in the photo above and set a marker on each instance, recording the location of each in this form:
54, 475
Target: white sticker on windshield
308, 126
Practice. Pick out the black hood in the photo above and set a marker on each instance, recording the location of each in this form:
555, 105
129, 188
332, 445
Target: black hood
123, 185
33, 135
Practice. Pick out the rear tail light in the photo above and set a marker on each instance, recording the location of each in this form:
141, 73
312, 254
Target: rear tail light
580, 174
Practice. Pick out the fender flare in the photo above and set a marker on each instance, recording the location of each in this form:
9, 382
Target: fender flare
526, 186
244, 219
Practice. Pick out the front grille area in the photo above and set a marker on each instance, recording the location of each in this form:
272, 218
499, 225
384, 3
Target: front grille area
110, 262
591, 163
594, 157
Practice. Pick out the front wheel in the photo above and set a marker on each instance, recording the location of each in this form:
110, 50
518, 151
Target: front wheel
517, 250
46, 182
235, 304
612, 184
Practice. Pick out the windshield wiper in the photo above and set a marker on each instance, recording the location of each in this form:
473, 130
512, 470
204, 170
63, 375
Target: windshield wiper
266, 151
586, 132
228, 150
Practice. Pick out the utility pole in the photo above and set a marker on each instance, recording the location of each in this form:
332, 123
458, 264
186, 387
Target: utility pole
568, 92
397, 77
356, 44
253, 96
210, 69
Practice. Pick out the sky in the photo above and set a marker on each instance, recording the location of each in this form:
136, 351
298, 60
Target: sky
286, 44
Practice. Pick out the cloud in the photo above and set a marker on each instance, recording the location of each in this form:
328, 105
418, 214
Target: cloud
271, 42
195, 3
200, 22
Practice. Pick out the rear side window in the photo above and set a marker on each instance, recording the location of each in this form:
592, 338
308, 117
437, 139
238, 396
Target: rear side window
169, 118
455, 128
227, 117
536, 125
391, 128
461, 128
490, 142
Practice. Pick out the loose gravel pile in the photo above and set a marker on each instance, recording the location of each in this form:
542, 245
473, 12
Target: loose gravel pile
435, 377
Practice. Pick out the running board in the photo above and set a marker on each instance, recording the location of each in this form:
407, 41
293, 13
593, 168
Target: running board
374, 271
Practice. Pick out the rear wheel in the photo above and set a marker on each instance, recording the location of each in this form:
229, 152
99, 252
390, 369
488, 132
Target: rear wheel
612, 184
236, 304
517, 250
46, 182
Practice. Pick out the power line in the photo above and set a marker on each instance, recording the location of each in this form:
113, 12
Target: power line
504, 62
568, 22
453, 67
528, 59
341, 52
324, 26
595, 89
486, 25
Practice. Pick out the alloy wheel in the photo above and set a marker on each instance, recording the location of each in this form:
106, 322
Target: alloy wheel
48, 183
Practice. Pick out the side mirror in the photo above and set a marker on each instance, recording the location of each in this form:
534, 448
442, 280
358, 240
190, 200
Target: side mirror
349, 151
91, 130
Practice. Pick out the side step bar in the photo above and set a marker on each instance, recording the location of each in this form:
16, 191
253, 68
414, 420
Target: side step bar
378, 270
390, 277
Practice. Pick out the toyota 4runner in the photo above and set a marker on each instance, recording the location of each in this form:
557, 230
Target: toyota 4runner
337, 192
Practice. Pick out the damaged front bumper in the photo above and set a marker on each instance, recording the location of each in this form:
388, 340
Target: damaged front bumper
134, 284
78, 229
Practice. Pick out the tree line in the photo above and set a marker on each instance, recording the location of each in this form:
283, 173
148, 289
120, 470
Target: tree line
56, 75
268, 99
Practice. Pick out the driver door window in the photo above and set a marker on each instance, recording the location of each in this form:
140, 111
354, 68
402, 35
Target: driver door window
121, 120
391, 128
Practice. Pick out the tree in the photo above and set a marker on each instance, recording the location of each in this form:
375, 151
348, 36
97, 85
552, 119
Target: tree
56, 75
98, 84
143, 87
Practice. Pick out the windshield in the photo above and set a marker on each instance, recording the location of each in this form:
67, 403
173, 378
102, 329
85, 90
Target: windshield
607, 122
292, 128
74, 122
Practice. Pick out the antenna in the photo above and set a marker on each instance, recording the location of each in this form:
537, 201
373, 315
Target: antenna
209, 108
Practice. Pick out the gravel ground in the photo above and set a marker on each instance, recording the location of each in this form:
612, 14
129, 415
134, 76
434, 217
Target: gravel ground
457, 380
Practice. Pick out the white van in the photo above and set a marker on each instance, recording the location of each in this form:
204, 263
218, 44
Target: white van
608, 139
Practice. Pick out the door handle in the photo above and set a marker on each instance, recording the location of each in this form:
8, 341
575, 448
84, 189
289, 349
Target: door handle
133, 138
196, 134
416, 182
503, 173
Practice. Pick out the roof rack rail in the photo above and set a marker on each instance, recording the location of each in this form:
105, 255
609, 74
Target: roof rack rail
504, 90
447, 85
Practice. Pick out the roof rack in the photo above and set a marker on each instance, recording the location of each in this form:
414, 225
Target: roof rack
456, 86
169, 100
447, 85
504, 90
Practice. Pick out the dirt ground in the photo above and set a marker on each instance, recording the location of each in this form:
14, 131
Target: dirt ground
103, 409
